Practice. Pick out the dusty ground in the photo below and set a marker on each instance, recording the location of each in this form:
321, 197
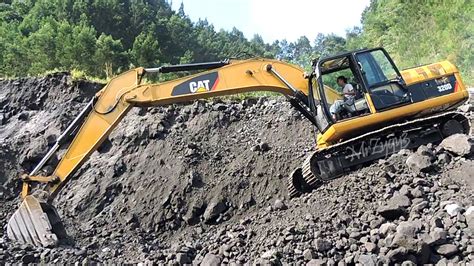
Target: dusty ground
206, 183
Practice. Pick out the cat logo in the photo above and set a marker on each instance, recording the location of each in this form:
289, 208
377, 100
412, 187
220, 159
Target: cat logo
199, 86
203, 83
442, 81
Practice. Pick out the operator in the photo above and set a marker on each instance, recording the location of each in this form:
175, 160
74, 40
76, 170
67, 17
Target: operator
348, 96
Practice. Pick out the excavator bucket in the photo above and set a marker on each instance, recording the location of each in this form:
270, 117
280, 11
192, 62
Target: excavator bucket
36, 223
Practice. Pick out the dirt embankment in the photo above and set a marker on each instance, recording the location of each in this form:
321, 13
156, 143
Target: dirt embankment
206, 183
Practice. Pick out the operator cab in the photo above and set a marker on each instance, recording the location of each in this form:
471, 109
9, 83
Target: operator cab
374, 79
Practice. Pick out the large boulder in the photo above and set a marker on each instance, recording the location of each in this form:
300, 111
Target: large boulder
368, 260
322, 245
438, 236
469, 214
453, 209
406, 235
419, 162
214, 209
466, 108
211, 260
447, 250
395, 207
397, 254
459, 144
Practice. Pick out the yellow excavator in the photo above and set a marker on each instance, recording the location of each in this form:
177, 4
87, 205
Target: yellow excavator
389, 111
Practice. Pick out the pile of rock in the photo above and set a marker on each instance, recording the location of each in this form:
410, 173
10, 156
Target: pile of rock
206, 183
406, 209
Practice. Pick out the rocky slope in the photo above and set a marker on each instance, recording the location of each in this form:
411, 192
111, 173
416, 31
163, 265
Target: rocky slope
206, 183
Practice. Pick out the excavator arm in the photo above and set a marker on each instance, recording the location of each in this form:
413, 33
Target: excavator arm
34, 222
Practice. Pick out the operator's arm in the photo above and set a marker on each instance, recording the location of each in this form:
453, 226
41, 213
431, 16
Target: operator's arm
125, 91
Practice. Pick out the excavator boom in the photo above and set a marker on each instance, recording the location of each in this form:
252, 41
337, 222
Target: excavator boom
126, 91
31, 223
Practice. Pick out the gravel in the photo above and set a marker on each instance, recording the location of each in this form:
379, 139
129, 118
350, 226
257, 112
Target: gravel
205, 183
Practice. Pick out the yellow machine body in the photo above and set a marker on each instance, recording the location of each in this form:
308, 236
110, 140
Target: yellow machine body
359, 125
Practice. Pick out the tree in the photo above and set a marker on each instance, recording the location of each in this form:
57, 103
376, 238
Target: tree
109, 54
13, 55
258, 47
42, 46
421, 32
40, 35
181, 10
65, 44
8, 13
285, 51
303, 52
84, 48
331, 44
145, 51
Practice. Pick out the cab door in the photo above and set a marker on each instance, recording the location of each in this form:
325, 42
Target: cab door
382, 79
316, 101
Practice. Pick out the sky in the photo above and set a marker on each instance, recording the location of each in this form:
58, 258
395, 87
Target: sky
278, 19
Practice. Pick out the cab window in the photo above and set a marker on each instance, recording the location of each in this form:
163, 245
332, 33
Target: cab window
381, 78
376, 67
338, 73
330, 79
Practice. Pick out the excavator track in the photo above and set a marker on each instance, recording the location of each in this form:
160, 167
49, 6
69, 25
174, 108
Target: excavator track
340, 157
297, 185
293, 191
307, 174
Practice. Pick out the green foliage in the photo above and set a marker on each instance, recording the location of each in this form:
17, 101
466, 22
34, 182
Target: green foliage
303, 53
81, 75
13, 58
109, 54
413, 32
145, 50
421, 32
84, 47
101, 38
104, 37
41, 44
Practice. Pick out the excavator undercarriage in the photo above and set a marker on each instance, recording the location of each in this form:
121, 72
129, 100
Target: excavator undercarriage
329, 163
